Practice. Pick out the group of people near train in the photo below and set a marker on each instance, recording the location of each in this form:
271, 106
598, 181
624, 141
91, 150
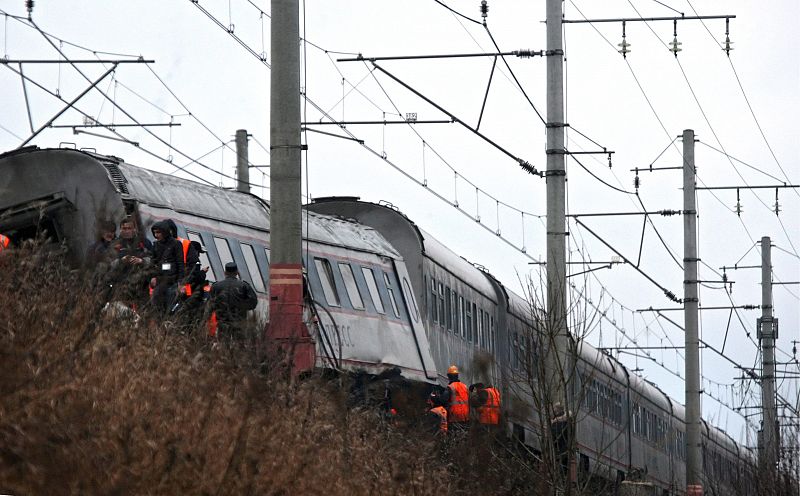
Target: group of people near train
167, 278
457, 406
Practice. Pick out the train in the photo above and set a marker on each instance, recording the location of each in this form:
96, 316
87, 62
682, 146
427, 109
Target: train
383, 294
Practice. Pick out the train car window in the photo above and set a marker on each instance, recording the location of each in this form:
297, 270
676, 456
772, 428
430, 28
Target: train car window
372, 286
391, 295
479, 337
486, 330
409, 297
224, 250
442, 313
204, 261
468, 320
449, 304
461, 327
454, 310
266, 252
325, 272
433, 304
252, 267
491, 340
474, 323
350, 285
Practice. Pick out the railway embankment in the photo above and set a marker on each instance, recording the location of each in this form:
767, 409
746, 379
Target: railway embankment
94, 403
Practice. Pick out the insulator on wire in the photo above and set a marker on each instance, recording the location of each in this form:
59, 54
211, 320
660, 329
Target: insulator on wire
484, 9
636, 181
777, 206
726, 45
29, 6
624, 46
738, 207
675, 45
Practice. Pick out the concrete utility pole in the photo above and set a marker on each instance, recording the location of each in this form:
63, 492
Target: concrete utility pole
242, 162
694, 456
556, 224
286, 330
767, 331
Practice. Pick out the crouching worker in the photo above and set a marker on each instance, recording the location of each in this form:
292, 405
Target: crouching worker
229, 303
436, 418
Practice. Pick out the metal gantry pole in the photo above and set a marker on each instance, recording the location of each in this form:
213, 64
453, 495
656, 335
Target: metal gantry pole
286, 329
242, 162
770, 450
694, 455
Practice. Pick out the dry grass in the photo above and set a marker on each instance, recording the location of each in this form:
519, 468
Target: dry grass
95, 405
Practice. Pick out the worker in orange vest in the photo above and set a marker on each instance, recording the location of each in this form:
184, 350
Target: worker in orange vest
437, 414
457, 399
486, 401
5, 242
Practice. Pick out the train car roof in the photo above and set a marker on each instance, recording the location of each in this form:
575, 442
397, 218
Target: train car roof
236, 207
456, 264
652, 392
162, 190
426, 244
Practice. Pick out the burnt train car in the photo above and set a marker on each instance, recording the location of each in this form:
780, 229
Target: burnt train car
382, 294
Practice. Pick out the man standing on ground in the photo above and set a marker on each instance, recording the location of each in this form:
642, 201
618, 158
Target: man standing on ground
456, 397
230, 300
168, 267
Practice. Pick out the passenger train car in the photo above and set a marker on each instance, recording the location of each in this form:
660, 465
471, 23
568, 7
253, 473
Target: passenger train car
382, 294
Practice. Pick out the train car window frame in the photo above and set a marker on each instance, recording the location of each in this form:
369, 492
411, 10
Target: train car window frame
474, 323
461, 326
372, 287
249, 254
223, 248
390, 292
325, 271
449, 309
492, 338
409, 295
211, 276
468, 320
442, 314
479, 340
433, 304
351, 287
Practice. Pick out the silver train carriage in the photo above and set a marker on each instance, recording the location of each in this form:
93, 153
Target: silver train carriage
625, 423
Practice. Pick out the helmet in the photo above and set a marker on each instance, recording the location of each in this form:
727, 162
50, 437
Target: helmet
453, 370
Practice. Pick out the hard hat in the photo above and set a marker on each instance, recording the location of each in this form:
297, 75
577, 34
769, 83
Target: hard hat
453, 370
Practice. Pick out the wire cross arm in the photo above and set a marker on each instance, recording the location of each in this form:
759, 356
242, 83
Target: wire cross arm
523, 54
75, 61
669, 294
647, 19
524, 164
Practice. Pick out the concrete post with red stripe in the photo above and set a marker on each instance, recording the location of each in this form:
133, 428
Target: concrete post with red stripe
287, 335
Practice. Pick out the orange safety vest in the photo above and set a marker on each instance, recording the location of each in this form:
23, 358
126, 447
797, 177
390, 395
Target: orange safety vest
4, 242
186, 243
442, 414
489, 412
459, 402
212, 325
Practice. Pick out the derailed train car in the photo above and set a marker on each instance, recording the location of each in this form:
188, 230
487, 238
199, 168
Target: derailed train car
65, 194
382, 295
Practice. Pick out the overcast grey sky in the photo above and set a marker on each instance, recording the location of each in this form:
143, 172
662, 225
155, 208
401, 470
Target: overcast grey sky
635, 107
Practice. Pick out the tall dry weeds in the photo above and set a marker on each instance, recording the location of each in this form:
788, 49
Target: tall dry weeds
98, 405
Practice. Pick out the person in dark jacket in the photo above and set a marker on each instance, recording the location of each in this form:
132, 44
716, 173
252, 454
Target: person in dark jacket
168, 267
561, 431
100, 251
129, 273
230, 300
